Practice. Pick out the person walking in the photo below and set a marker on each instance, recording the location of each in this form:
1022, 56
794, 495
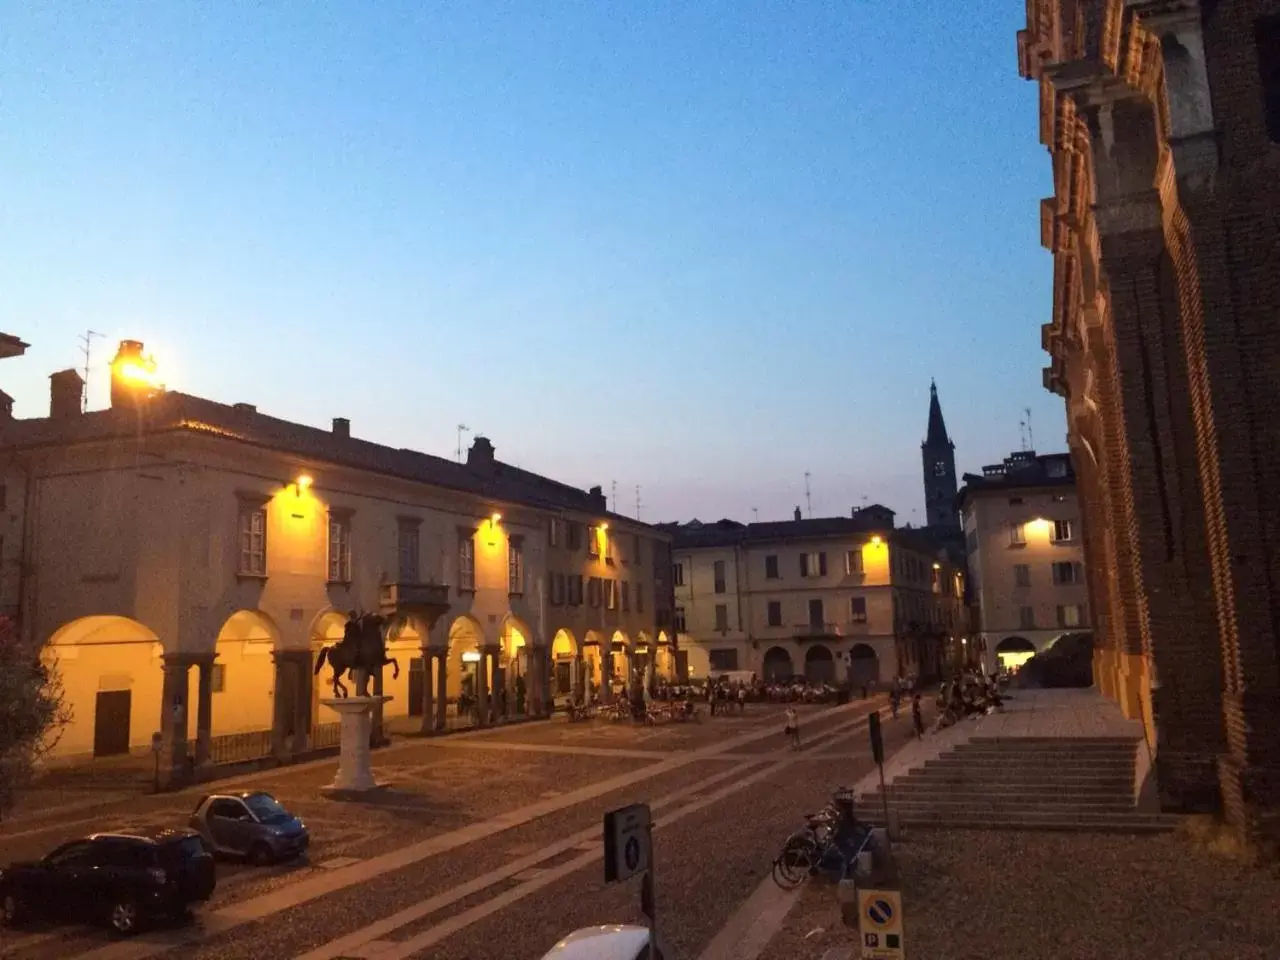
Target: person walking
917, 716
792, 730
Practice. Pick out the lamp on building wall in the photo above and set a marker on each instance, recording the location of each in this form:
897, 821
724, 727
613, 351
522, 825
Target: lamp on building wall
937, 566
494, 519
302, 484
876, 540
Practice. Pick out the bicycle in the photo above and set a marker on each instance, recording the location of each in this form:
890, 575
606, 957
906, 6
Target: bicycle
829, 842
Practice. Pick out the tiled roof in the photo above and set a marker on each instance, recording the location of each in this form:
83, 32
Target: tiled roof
728, 533
173, 411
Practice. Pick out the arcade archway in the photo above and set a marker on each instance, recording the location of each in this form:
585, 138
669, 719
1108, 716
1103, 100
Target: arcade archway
819, 665
778, 667
864, 665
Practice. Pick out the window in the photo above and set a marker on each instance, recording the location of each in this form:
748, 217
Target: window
339, 548
1027, 618
573, 535
253, 541
466, 562
1071, 615
1065, 573
574, 584
771, 568
775, 613
555, 532
815, 612
722, 617
515, 566
556, 592
218, 678
1059, 498
407, 548
813, 565
858, 609
593, 592
1056, 469
1022, 575
1063, 531
1015, 501
611, 594
608, 546
626, 596
971, 542
723, 661
1267, 30
853, 561
677, 620
593, 541
939, 468
677, 574
719, 576
4, 497
1017, 534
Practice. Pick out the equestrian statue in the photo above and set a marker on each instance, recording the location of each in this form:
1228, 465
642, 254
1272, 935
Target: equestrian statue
362, 651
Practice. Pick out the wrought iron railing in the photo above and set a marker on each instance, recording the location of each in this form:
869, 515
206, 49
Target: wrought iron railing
325, 735
238, 747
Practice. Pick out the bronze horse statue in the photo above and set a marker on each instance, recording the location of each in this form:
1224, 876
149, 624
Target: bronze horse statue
362, 651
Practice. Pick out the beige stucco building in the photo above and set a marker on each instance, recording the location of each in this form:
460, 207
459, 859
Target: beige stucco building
185, 561
1026, 554
828, 598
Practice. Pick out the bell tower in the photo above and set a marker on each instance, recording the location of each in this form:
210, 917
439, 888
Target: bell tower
938, 454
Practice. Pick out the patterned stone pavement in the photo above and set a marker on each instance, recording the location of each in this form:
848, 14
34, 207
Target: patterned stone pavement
490, 839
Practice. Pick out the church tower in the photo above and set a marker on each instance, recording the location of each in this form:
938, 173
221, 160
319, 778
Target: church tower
939, 456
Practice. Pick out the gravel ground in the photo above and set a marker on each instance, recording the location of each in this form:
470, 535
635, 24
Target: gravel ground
1025, 896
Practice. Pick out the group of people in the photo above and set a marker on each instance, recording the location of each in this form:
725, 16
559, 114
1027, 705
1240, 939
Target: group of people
972, 693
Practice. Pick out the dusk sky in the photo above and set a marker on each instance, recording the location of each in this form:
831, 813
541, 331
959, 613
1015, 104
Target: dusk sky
700, 247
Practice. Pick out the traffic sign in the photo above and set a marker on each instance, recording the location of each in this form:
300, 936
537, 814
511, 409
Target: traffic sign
880, 919
626, 842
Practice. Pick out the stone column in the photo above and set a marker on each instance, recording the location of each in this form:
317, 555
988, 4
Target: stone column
204, 710
482, 687
302, 707
428, 690
442, 691
279, 705
578, 689
533, 682
173, 719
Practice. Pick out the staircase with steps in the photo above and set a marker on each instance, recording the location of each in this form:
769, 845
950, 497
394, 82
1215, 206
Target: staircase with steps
1082, 783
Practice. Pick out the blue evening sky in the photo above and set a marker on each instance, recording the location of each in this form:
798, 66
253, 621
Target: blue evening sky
700, 246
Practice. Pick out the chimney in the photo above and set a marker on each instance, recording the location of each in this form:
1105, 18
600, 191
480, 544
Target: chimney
480, 456
66, 395
797, 513
597, 498
244, 408
133, 376
342, 427
6, 406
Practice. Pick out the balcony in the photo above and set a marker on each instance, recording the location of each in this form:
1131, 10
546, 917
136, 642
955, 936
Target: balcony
817, 631
403, 599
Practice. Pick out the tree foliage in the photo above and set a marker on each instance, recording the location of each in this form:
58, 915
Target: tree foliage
32, 710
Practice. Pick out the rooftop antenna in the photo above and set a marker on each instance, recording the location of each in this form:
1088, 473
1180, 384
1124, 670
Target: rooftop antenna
613, 490
755, 515
86, 347
637, 501
1022, 435
1031, 437
808, 499
462, 428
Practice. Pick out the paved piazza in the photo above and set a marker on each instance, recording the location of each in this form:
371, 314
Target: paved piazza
488, 843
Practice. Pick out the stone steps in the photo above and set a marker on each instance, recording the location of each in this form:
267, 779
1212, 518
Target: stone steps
1077, 822
978, 807
1003, 795
1026, 756
960, 771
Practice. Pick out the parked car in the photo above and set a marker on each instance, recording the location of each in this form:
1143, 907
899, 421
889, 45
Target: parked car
253, 825
615, 941
122, 879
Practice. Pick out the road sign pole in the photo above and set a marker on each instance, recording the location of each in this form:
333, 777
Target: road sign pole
647, 902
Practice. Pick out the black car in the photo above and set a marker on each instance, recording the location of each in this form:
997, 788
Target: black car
121, 879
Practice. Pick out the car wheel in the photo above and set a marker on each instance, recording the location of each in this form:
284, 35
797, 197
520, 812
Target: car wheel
123, 917
11, 911
260, 855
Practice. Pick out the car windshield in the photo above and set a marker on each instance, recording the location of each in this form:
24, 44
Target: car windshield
265, 807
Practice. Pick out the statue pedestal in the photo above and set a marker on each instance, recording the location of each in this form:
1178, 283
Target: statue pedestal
355, 765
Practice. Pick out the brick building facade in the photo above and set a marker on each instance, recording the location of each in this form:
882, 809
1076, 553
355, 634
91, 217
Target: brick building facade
1163, 121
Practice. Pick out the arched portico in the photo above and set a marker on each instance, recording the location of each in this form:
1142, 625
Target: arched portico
864, 665
1013, 652
244, 673
819, 664
467, 671
593, 666
112, 674
517, 671
620, 660
566, 668
777, 665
